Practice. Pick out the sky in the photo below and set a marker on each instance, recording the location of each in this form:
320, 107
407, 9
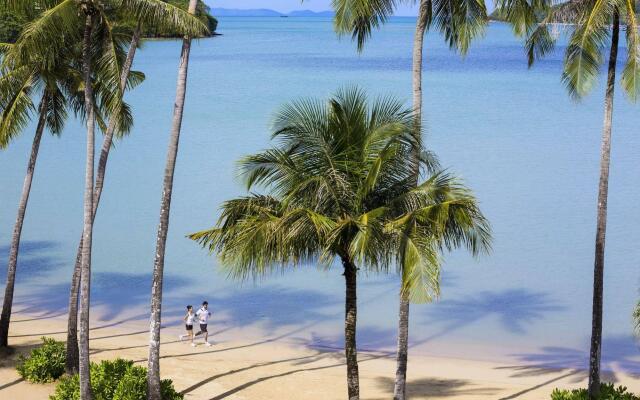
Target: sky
289, 5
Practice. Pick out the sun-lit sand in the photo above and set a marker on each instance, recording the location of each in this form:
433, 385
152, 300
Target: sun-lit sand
274, 369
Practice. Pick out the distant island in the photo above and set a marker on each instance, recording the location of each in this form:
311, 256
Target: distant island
265, 12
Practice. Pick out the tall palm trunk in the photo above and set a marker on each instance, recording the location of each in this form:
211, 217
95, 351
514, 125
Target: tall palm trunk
72, 323
399, 390
601, 228
153, 376
17, 229
87, 231
350, 321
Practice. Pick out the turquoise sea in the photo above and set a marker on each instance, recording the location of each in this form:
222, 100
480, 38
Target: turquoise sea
530, 153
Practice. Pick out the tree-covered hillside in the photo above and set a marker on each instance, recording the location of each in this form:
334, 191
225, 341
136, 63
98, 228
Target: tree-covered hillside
11, 22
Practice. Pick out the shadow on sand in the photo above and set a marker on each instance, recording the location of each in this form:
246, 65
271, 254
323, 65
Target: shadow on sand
427, 388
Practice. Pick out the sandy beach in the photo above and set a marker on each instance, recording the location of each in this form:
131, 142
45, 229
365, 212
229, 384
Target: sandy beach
274, 369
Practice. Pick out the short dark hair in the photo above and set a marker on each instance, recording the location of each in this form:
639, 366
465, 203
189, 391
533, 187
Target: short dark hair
189, 307
205, 303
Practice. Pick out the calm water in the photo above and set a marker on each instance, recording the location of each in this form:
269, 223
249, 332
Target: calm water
513, 134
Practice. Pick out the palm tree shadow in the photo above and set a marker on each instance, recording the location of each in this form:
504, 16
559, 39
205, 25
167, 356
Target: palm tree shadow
256, 381
296, 361
619, 353
515, 309
427, 388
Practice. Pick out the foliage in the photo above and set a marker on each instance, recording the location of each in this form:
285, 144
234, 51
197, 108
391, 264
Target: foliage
45, 363
341, 184
11, 24
114, 380
607, 392
459, 22
589, 26
159, 31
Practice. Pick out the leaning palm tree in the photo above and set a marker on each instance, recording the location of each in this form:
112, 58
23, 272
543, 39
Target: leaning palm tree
20, 85
459, 21
594, 26
340, 186
153, 374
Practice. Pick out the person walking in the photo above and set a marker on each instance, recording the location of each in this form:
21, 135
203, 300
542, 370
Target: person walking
203, 315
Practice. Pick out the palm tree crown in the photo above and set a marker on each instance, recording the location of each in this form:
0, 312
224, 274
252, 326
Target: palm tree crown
589, 23
340, 184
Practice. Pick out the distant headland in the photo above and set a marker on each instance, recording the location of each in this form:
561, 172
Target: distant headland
264, 12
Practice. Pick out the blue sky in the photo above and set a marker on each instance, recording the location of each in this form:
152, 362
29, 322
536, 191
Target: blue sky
288, 5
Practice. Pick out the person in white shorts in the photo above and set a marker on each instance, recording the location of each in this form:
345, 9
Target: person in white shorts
189, 318
203, 315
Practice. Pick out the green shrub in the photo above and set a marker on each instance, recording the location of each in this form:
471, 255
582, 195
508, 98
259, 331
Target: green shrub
114, 380
106, 376
68, 388
45, 363
607, 392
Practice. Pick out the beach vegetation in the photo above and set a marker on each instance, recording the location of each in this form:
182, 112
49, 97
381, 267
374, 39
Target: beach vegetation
115, 379
44, 364
339, 186
608, 391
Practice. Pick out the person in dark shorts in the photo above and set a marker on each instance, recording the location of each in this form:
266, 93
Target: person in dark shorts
189, 318
203, 315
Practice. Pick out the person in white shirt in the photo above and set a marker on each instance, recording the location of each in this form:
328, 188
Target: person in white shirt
203, 315
189, 318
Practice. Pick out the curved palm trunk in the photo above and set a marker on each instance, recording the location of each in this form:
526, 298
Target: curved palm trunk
87, 231
17, 229
399, 390
72, 322
153, 375
603, 192
350, 321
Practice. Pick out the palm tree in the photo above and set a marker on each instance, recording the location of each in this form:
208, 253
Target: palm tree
459, 22
153, 374
126, 78
595, 25
19, 85
340, 185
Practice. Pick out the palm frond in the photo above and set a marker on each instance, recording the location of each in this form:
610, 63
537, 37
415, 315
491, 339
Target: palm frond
161, 14
16, 104
460, 21
631, 72
359, 18
584, 54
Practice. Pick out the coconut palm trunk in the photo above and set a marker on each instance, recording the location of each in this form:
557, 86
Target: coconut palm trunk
17, 229
350, 321
85, 280
399, 390
153, 377
72, 323
601, 228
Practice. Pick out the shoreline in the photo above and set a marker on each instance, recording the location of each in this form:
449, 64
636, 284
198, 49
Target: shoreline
273, 368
